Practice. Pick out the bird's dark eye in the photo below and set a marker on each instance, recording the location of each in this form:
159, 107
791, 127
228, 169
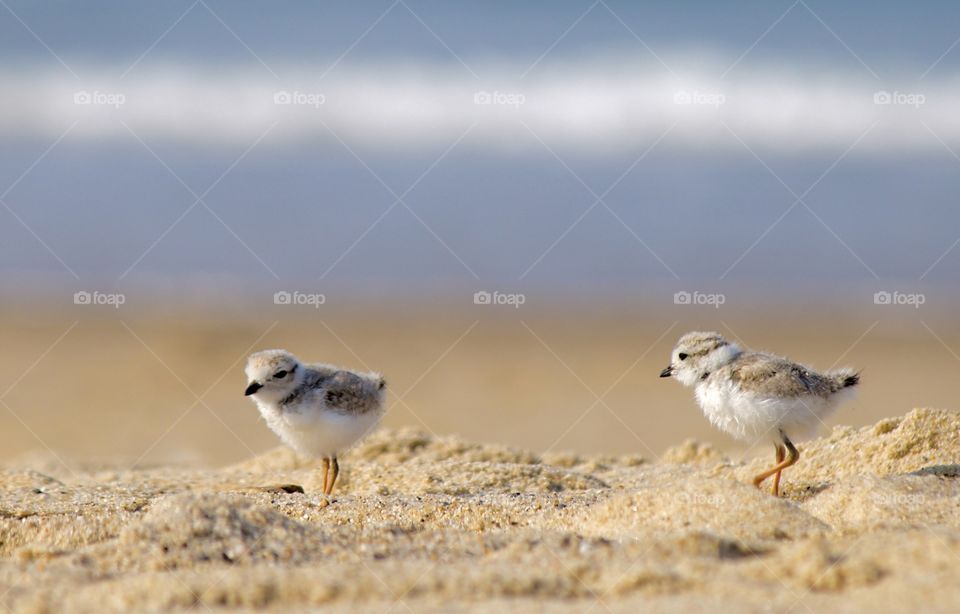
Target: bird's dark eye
682, 356
280, 374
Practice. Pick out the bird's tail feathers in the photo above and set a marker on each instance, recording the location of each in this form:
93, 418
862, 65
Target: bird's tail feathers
844, 378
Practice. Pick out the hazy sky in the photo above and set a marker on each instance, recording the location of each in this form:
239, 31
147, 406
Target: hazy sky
552, 143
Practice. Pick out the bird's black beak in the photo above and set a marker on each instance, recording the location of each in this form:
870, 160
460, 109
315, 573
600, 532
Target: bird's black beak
252, 388
667, 372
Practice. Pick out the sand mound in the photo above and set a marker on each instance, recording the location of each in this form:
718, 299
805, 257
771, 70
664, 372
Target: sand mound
870, 521
922, 438
398, 447
671, 498
411, 461
859, 503
925, 441
181, 531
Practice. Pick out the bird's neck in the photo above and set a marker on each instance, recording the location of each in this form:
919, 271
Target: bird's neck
720, 357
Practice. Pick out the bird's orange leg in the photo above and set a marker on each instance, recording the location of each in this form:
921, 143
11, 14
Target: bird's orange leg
792, 456
781, 453
333, 479
326, 472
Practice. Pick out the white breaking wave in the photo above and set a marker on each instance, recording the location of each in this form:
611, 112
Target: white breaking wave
589, 107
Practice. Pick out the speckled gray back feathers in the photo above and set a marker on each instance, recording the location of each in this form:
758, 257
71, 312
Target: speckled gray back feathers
768, 375
341, 391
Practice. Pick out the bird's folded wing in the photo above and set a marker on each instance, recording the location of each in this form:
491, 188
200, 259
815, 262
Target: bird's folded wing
770, 376
350, 393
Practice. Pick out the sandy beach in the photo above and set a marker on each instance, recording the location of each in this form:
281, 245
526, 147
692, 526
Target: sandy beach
870, 521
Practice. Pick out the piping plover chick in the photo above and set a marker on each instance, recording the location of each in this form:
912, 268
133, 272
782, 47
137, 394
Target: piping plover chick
317, 409
756, 396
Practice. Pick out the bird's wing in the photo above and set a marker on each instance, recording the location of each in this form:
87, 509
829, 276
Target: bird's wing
350, 393
771, 376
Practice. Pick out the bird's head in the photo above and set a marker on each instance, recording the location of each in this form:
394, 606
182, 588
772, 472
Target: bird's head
272, 374
698, 354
